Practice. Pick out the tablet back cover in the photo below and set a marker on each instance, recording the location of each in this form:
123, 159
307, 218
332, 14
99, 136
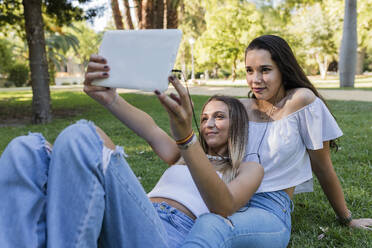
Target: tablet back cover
139, 59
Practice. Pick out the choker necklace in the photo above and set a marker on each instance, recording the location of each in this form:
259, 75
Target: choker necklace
217, 158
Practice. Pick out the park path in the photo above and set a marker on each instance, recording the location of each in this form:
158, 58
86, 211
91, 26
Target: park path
334, 94
354, 95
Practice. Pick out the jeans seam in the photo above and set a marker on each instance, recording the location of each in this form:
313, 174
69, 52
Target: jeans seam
85, 219
224, 244
126, 187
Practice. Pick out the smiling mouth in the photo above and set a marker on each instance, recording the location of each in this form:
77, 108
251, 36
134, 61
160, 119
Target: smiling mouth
211, 133
258, 90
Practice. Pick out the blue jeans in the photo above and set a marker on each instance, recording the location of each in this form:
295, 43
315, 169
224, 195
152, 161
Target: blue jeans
264, 222
64, 197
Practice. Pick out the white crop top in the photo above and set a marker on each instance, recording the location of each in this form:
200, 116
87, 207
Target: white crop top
283, 150
177, 184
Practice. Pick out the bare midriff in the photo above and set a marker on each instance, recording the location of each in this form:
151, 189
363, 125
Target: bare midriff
174, 204
289, 191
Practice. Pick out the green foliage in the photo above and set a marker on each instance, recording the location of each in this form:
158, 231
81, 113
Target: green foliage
230, 26
18, 74
89, 42
63, 11
6, 58
364, 11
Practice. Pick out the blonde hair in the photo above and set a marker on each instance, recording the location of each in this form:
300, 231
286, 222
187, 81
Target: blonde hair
237, 139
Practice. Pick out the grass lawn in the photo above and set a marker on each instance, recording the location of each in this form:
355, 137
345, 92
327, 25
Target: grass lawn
313, 215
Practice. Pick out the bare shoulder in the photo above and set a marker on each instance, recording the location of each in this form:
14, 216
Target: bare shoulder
299, 98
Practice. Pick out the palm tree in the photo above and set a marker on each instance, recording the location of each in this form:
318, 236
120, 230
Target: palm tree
116, 14
349, 43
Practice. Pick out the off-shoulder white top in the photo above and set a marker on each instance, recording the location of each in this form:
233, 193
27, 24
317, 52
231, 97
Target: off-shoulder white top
283, 148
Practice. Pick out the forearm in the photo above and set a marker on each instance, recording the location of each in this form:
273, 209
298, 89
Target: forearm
332, 189
323, 169
213, 190
144, 126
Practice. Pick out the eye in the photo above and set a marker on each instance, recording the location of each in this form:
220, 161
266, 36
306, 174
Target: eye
220, 116
249, 70
203, 119
266, 69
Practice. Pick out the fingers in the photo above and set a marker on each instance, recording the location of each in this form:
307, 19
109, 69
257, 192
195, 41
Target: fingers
97, 58
93, 66
97, 69
172, 106
183, 95
175, 98
91, 76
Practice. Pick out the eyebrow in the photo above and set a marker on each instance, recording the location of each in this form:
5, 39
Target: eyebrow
261, 66
217, 112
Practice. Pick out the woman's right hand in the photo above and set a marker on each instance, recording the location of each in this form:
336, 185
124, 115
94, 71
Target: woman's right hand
98, 69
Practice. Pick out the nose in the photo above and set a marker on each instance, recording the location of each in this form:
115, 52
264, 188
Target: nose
257, 77
210, 122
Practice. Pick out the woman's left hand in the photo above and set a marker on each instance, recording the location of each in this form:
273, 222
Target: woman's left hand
363, 223
179, 109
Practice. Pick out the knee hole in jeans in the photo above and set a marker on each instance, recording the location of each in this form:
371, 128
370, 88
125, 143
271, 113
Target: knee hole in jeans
106, 140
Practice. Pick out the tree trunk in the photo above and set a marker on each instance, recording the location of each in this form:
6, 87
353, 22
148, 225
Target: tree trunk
116, 14
147, 14
233, 72
138, 12
348, 50
322, 64
361, 55
127, 15
158, 14
41, 111
171, 14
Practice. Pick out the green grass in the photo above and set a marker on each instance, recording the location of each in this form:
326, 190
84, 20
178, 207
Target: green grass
353, 161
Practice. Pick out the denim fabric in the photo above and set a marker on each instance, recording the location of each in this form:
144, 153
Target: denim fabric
64, 199
176, 223
23, 177
264, 222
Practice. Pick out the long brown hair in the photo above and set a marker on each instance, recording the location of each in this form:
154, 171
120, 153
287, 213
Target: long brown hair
293, 76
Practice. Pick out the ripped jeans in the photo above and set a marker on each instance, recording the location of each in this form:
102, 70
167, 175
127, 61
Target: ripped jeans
75, 196
265, 222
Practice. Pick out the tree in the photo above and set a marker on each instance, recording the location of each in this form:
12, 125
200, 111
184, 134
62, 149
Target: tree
31, 20
38, 62
348, 50
315, 32
192, 23
116, 14
149, 14
364, 24
230, 26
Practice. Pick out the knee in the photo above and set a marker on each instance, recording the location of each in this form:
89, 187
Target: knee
106, 139
210, 221
24, 144
83, 135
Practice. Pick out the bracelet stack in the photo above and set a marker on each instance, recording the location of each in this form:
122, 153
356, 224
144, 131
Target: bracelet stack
187, 142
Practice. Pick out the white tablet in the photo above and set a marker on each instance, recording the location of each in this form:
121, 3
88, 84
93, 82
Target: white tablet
139, 59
